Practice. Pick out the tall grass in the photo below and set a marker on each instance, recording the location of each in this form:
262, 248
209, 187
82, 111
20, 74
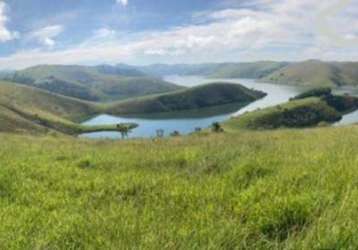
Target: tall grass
286, 189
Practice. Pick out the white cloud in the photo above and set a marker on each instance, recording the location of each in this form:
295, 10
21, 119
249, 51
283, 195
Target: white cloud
279, 30
122, 2
5, 33
104, 33
46, 35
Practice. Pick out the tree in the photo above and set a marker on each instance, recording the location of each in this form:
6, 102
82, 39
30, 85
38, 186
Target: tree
216, 127
124, 130
175, 133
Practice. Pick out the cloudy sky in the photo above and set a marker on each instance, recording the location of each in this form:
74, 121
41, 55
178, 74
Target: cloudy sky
172, 31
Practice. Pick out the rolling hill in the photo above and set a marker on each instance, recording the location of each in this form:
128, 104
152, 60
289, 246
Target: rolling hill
305, 110
246, 70
311, 73
96, 83
24, 109
29, 109
316, 73
203, 96
251, 70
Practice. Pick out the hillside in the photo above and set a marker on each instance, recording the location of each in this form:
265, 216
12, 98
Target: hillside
97, 83
203, 96
30, 110
290, 189
216, 70
246, 70
308, 109
311, 73
316, 73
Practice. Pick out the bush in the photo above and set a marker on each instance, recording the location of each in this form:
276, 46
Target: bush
216, 127
175, 133
316, 92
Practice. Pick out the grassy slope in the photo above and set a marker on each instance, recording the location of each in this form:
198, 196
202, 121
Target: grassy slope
289, 189
299, 113
316, 73
30, 109
26, 109
307, 109
246, 70
100, 83
199, 97
216, 70
35, 100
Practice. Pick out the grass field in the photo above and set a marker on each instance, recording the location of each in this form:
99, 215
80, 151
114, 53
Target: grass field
285, 189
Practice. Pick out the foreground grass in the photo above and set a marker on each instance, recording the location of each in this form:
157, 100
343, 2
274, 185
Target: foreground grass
286, 189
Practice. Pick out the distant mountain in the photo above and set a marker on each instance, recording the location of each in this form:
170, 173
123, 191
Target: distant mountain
246, 70
96, 83
203, 96
178, 69
312, 73
216, 70
316, 73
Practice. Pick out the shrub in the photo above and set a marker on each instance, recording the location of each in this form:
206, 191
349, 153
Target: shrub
216, 127
175, 133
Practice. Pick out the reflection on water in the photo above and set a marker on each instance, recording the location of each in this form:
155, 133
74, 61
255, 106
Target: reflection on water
349, 119
187, 122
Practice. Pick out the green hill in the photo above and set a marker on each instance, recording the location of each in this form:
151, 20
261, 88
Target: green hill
216, 70
246, 70
290, 189
31, 110
204, 96
307, 109
311, 73
317, 73
97, 83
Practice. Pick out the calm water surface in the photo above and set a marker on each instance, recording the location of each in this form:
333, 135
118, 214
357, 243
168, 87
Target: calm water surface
187, 122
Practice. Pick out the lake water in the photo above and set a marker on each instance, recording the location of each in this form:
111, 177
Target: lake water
186, 123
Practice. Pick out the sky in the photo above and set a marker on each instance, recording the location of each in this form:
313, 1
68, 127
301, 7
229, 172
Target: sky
143, 32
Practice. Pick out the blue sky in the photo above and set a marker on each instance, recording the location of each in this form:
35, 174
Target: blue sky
172, 31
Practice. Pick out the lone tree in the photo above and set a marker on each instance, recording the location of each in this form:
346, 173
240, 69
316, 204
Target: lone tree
125, 129
175, 133
216, 127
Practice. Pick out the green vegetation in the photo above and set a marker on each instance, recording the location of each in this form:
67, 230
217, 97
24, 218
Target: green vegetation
311, 73
98, 83
316, 73
288, 189
316, 92
254, 70
30, 110
27, 109
216, 70
307, 109
194, 98
301, 113
228, 188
